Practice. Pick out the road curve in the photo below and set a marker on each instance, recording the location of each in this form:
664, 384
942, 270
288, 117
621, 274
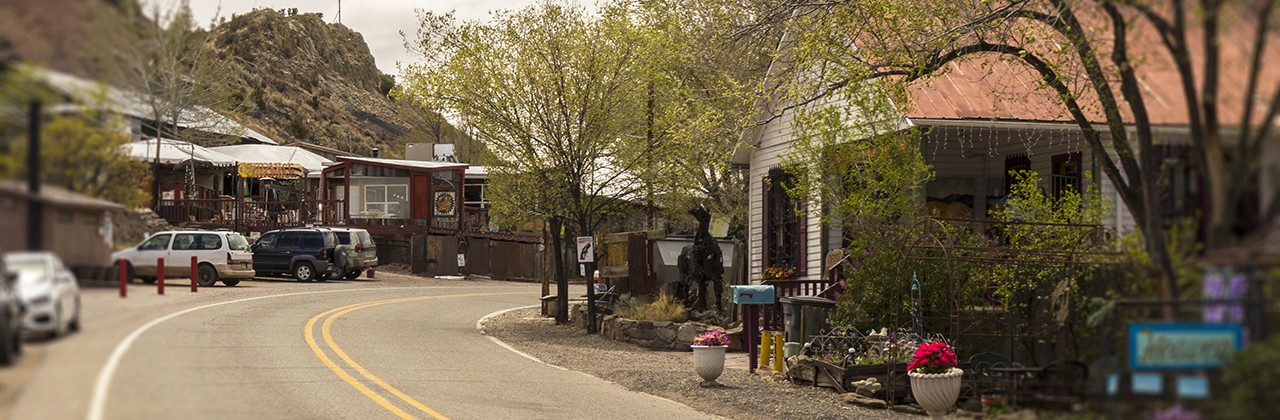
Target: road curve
363, 353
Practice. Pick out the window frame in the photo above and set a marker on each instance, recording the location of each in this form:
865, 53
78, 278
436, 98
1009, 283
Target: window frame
384, 206
778, 222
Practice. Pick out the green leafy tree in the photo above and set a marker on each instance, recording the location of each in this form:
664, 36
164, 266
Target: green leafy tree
583, 115
83, 154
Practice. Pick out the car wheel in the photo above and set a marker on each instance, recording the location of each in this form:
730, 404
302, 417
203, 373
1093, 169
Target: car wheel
231, 282
74, 325
353, 274
8, 354
149, 280
129, 274
303, 271
206, 276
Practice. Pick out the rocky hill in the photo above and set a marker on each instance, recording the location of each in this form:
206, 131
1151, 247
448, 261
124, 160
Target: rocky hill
290, 75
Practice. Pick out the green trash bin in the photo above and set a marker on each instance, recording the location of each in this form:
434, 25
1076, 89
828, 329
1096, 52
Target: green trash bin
805, 316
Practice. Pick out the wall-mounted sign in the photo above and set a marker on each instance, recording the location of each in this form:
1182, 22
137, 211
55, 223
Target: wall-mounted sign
445, 203
271, 170
1182, 346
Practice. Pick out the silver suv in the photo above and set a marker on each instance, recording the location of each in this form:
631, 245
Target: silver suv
355, 252
221, 255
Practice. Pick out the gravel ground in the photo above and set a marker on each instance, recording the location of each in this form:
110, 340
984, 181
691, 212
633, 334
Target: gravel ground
670, 374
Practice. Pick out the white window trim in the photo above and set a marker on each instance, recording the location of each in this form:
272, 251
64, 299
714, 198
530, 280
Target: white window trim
382, 206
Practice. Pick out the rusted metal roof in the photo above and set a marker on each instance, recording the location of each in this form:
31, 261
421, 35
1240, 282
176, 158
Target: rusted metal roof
986, 87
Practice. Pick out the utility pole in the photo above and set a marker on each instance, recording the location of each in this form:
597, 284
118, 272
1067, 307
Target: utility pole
339, 11
35, 207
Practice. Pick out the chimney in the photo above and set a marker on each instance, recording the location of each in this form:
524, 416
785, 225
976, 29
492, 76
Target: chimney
374, 152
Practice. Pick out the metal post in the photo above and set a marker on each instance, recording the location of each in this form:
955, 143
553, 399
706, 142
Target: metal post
120, 274
749, 330
160, 275
194, 273
35, 207
591, 298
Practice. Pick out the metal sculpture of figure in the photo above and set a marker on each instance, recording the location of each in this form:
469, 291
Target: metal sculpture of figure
702, 263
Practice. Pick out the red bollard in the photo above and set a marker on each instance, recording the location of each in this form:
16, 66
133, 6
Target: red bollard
160, 275
121, 275
194, 274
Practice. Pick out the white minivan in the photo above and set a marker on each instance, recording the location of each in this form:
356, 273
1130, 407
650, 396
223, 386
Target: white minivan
220, 255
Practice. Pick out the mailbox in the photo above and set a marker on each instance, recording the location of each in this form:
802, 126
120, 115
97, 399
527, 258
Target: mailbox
753, 295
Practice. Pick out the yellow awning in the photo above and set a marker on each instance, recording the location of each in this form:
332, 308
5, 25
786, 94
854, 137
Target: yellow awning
272, 170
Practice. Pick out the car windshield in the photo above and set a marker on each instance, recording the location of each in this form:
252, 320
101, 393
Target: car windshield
237, 242
32, 271
343, 237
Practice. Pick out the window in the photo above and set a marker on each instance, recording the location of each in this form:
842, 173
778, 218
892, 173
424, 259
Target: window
289, 240
1018, 162
184, 241
267, 241
312, 240
1067, 174
783, 233
474, 194
386, 201
237, 243
208, 242
155, 243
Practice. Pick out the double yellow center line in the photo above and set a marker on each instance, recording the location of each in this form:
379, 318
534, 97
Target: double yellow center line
326, 331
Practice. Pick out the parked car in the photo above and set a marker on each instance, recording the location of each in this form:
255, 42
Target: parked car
305, 254
355, 253
221, 255
48, 290
10, 317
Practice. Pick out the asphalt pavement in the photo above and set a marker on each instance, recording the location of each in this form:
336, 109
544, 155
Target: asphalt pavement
397, 346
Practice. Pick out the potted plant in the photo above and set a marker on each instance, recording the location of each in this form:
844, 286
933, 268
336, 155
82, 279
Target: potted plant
935, 379
708, 355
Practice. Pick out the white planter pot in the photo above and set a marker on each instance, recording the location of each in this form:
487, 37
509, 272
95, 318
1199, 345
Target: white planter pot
936, 392
709, 362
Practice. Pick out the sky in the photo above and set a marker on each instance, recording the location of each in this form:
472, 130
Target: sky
380, 21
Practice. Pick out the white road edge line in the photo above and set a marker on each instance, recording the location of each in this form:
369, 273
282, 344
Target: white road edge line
102, 387
480, 327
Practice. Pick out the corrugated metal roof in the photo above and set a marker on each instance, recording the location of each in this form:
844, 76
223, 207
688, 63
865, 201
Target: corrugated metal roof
265, 153
986, 87
407, 164
58, 196
174, 152
135, 104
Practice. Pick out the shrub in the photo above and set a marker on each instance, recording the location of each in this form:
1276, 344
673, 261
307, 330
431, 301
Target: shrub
663, 309
1251, 378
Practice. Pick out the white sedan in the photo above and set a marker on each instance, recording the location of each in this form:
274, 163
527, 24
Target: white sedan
48, 290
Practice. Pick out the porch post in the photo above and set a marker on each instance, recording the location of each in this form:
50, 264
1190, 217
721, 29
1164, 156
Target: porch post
346, 193
324, 196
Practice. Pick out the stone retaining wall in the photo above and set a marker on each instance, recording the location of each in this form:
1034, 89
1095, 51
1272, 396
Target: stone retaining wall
652, 335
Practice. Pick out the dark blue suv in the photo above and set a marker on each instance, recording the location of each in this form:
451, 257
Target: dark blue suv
304, 253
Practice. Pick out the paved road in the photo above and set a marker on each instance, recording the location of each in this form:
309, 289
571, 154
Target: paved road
398, 347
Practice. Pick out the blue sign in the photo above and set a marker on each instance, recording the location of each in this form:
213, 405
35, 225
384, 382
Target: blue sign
753, 295
1182, 346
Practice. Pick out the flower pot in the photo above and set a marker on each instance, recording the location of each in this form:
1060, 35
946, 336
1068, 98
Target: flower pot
708, 361
936, 392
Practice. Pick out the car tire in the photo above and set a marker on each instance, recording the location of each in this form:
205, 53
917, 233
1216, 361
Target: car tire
304, 271
206, 276
149, 280
230, 282
129, 274
74, 325
353, 274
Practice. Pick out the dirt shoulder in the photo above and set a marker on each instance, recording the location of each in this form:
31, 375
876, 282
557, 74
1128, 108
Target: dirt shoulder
670, 374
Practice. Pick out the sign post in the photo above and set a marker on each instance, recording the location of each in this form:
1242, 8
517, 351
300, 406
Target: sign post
587, 256
750, 297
